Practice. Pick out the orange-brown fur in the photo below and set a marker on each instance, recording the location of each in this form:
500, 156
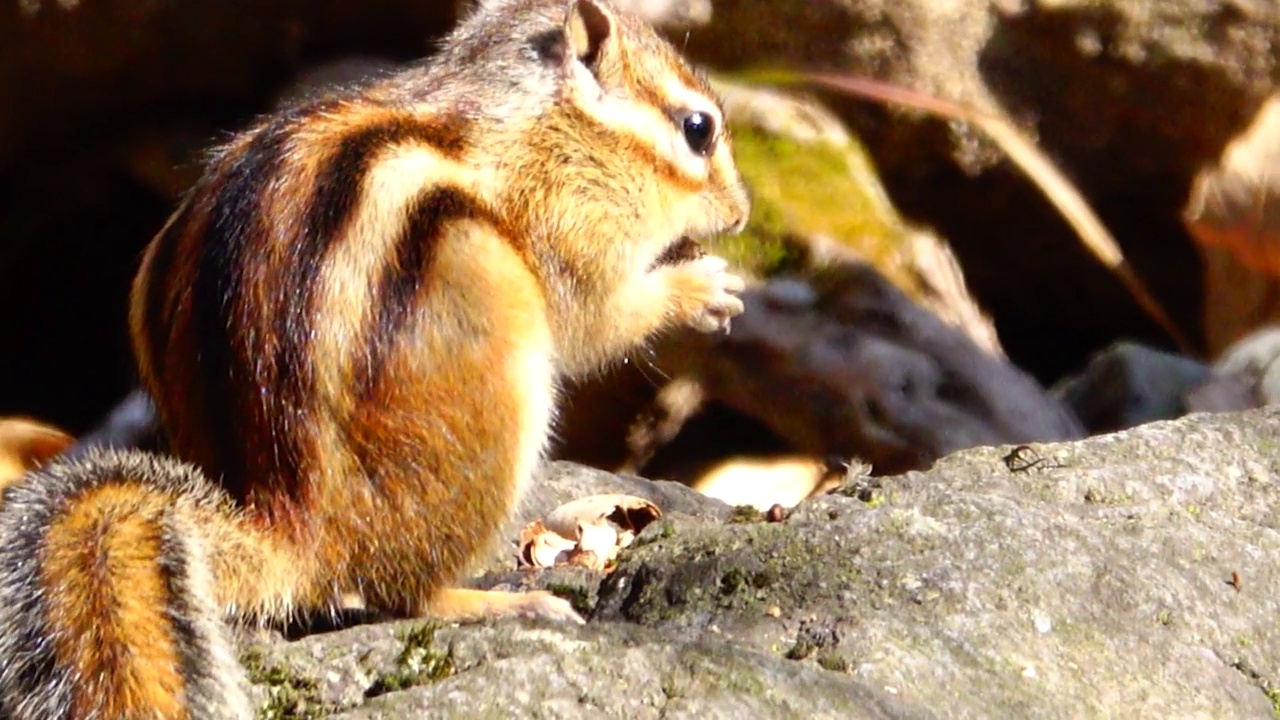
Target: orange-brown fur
356, 323
25, 444
107, 555
107, 604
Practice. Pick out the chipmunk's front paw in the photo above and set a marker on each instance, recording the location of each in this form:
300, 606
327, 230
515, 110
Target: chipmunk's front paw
703, 293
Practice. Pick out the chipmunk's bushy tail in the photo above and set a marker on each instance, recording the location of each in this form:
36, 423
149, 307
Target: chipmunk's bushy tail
107, 604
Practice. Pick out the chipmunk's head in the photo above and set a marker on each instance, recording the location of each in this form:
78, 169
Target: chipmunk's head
633, 136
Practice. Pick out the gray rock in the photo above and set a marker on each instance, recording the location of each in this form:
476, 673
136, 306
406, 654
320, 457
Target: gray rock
858, 369
132, 423
1223, 393
528, 670
1131, 574
1129, 384
560, 482
1255, 357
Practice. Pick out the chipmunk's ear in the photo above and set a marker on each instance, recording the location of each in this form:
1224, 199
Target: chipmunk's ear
589, 32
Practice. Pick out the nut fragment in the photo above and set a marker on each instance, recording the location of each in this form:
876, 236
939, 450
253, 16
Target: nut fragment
587, 532
627, 513
540, 547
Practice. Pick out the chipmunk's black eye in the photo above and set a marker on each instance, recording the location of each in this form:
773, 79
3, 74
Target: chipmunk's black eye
699, 131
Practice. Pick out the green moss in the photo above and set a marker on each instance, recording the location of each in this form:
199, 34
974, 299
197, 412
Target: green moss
746, 514
663, 530
733, 581
729, 675
806, 189
740, 568
288, 697
867, 490
802, 649
737, 581
577, 596
1267, 445
833, 662
419, 663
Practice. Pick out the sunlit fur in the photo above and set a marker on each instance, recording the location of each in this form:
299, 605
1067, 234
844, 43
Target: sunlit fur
356, 322
26, 444
107, 599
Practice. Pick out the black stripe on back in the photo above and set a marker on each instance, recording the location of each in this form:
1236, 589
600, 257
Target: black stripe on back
264, 434
332, 207
339, 181
234, 236
402, 279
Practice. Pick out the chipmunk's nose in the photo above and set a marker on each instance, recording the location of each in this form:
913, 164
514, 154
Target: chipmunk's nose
738, 225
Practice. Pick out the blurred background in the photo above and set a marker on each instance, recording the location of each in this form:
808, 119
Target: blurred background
914, 291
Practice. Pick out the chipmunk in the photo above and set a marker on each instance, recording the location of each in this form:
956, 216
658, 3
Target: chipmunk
353, 328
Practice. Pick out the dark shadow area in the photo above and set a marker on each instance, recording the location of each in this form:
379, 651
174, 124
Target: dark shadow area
88, 97
1052, 302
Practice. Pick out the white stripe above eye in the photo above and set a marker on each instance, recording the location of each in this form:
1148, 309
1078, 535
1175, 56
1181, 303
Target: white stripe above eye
648, 124
682, 96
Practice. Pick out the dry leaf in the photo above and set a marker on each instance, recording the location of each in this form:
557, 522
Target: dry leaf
1236, 204
26, 444
1234, 214
938, 269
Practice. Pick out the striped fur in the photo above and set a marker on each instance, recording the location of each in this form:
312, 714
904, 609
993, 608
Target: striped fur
107, 606
356, 322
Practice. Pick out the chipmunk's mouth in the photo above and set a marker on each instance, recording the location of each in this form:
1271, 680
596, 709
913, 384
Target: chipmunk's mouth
682, 249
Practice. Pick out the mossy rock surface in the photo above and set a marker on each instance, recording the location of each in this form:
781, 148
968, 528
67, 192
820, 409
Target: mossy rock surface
811, 182
1131, 574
